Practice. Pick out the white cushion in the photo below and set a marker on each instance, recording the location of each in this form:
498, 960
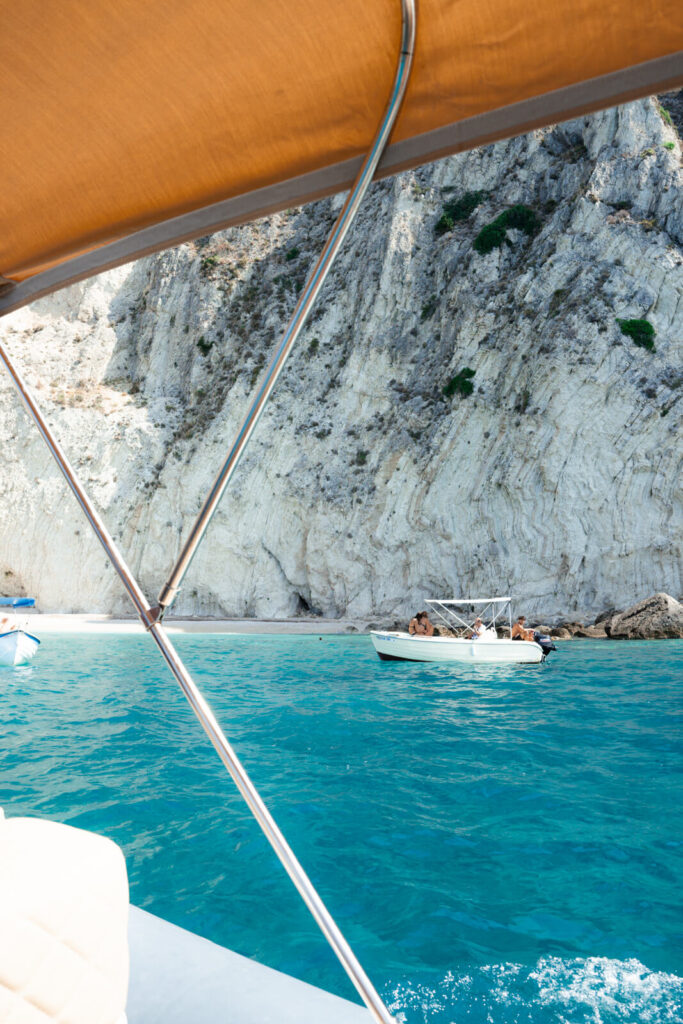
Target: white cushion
63, 925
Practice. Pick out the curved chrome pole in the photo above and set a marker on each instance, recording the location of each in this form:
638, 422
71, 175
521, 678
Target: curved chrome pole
203, 712
301, 311
96, 522
149, 616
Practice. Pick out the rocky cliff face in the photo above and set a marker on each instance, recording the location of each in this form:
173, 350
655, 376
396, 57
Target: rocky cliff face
366, 487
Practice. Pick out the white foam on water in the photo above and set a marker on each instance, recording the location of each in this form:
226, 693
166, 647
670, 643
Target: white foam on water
593, 990
611, 989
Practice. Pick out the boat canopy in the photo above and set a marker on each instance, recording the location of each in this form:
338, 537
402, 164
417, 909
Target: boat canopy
490, 608
132, 126
17, 602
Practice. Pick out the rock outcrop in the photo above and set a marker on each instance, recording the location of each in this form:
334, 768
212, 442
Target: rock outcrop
659, 617
561, 633
464, 412
595, 632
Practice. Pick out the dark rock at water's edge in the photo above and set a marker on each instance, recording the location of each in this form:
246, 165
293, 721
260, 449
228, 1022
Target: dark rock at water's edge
659, 617
560, 633
605, 616
567, 630
595, 632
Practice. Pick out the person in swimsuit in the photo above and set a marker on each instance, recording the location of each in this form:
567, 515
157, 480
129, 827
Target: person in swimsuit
427, 628
519, 630
420, 625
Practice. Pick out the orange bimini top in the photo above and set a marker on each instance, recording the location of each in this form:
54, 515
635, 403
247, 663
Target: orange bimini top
162, 120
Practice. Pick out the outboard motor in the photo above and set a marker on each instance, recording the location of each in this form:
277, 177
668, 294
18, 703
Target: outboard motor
545, 643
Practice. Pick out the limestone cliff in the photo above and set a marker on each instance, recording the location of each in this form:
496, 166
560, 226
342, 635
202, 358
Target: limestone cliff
367, 486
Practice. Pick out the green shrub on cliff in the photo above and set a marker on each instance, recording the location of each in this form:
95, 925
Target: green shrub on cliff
493, 235
458, 210
461, 384
665, 115
523, 219
641, 332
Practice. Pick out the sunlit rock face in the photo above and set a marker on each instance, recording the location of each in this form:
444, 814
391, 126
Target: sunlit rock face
366, 488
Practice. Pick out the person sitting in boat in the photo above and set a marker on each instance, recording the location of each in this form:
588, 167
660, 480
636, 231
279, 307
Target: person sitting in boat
420, 625
427, 627
519, 630
477, 629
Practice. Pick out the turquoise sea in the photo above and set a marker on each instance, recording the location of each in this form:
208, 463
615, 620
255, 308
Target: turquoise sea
498, 844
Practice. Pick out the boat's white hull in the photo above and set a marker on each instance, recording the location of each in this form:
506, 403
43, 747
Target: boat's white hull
17, 647
404, 647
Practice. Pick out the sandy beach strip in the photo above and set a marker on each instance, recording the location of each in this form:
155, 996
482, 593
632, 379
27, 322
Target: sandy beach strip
39, 623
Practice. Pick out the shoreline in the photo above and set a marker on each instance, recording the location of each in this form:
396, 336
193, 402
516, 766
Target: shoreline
657, 617
44, 623
100, 623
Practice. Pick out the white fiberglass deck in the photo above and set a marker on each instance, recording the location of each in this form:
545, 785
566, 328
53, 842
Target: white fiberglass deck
403, 646
180, 978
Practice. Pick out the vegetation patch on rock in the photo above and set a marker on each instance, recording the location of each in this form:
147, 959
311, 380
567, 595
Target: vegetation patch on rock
429, 308
461, 384
556, 300
641, 332
493, 235
458, 210
665, 115
207, 264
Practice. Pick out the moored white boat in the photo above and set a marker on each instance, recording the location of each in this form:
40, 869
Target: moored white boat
404, 647
463, 644
17, 647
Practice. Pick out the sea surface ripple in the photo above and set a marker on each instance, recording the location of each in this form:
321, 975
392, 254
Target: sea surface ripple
497, 844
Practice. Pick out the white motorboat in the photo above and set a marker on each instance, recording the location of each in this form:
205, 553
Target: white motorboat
463, 644
17, 647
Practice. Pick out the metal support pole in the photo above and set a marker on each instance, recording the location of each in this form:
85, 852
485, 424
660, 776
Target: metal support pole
301, 311
206, 718
150, 617
96, 522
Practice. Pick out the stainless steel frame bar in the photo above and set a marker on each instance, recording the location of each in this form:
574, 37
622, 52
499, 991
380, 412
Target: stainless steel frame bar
117, 560
303, 307
205, 716
150, 616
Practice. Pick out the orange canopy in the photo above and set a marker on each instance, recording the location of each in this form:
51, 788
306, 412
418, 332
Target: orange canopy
183, 116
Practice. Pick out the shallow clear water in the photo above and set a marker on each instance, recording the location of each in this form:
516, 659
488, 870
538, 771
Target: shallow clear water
498, 844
